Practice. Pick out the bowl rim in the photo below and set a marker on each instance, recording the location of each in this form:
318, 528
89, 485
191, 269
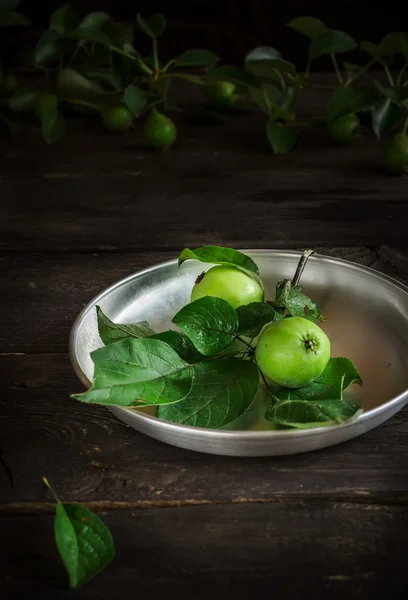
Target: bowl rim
241, 435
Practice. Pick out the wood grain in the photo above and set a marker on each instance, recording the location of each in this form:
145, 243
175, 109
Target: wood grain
89, 455
334, 550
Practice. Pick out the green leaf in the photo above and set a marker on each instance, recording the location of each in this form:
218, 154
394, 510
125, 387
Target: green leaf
209, 322
394, 43
262, 53
64, 19
272, 99
135, 100
331, 42
267, 68
281, 139
92, 35
370, 49
345, 100
300, 305
320, 403
84, 542
338, 371
75, 85
196, 58
137, 372
234, 74
50, 46
24, 99
386, 114
351, 69
220, 256
152, 26
53, 125
180, 343
12, 19
223, 390
254, 316
111, 332
397, 94
14, 126
309, 26
301, 414
104, 77
95, 20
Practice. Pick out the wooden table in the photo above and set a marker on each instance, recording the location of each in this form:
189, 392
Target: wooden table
83, 213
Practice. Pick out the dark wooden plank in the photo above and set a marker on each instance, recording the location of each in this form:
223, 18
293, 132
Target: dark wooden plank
90, 455
141, 213
44, 293
337, 551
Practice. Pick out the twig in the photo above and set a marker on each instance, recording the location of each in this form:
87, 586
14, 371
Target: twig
301, 265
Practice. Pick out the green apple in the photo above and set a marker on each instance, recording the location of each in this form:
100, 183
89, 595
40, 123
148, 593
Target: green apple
230, 284
292, 352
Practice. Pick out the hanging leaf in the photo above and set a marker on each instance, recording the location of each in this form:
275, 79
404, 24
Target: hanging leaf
345, 100
281, 139
13, 126
209, 322
370, 49
331, 42
351, 70
95, 20
75, 85
196, 58
220, 256
135, 100
386, 114
24, 99
262, 53
53, 125
397, 94
64, 20
309, 26
267, 68
234, 74
394, 43
50, 46
138, 372
223, 390
152, 26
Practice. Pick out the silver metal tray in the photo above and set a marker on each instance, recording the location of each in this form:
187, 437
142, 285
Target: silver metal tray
367, 321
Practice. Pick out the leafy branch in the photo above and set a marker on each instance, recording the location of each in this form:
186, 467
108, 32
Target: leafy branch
104, 74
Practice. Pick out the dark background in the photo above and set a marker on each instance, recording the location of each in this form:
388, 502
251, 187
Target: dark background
232, 27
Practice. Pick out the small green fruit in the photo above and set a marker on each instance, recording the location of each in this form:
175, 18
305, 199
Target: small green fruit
342, 130
292, 352
228, 283
44, 104
396, 153
160, 131
221, 93
116, 118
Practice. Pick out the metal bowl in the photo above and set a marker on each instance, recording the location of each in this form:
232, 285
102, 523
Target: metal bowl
367, 321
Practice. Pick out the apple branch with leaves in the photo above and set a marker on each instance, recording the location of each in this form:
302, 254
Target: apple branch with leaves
205, 372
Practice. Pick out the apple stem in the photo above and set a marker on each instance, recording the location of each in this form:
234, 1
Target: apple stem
301, 265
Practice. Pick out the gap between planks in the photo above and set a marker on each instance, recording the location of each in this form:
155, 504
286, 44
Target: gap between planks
364, 498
